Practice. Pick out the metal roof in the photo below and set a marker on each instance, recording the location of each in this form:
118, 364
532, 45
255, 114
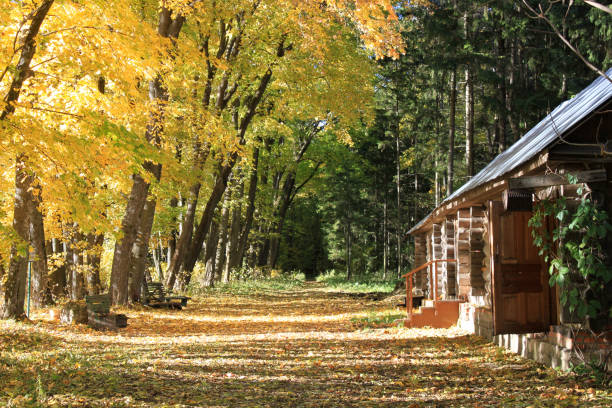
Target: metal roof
558, 122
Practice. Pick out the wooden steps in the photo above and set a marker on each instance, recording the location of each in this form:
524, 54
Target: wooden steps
438, 314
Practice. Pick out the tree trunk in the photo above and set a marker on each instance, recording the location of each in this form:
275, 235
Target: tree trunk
22, 70
13, 288
12, 292
40, 293
349, 260
452, 103
399, 208
384, 239
172, 240
280, 222
223, 234
123, 248
203, 227
77, 281
499, 144
141, 249
231, 261
57, 279
94, 257
209, 255
469, 122
241, 124
248, 221
184, 240
169, 26
437, 179
469, 106
512, 74
157, 258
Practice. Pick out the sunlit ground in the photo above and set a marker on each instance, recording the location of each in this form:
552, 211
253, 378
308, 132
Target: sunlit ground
309, 347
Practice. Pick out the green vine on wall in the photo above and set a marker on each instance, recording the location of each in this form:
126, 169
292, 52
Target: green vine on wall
576, 252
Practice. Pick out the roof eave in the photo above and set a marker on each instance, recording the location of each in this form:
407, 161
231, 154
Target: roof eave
479, 194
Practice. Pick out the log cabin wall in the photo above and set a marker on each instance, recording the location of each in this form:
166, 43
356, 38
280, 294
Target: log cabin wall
462, 248
576, 137
476, 315
476, 236
486, 300
420, 258
443, 276
436, 245
449, 269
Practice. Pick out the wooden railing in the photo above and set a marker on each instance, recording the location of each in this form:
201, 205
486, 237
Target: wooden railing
434, 281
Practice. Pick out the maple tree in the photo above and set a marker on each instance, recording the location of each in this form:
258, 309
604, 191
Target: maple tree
60, 124
181, 120
202, 142
99, 97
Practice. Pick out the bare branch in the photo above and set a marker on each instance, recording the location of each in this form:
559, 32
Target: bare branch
542, 15
600, 6
74, 115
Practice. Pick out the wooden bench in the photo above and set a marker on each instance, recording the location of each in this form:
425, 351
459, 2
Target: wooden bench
99, 315
156, 296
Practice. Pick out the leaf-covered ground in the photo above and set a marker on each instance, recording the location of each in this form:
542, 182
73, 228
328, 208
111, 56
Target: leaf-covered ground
309, 347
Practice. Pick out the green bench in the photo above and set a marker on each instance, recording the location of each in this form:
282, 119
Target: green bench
155, 296
99, 315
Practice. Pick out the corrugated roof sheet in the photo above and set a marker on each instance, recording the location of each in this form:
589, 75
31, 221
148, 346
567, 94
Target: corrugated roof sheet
558, 122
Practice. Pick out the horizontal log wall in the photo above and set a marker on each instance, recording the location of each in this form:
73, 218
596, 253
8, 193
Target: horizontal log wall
420, 258
462, 249
436, 245
449, 269
487, 269
477, 230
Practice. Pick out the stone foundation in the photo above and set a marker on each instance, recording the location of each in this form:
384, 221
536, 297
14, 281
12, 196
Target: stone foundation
535, 346
476, 319
559, 348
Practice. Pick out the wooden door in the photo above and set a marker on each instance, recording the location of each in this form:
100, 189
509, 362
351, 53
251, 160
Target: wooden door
520, 282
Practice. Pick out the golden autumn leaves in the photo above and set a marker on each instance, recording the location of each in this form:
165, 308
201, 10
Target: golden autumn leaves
283, 348
83, 144
128, 103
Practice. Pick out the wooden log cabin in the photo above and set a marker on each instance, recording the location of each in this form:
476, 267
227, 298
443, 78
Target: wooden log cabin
476, 246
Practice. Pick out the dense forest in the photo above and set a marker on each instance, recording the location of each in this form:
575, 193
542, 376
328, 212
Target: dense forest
475, 77
196, 142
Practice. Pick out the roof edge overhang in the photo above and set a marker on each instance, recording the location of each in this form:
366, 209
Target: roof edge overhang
563, 120
479, 195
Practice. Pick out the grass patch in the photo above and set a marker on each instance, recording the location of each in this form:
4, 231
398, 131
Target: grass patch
249, 286
362, 284
376, 320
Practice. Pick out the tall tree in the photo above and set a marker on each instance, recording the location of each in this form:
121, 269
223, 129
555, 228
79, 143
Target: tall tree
169, 26
13, 287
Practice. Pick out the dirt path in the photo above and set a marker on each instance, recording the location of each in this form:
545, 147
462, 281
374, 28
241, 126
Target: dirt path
305, 348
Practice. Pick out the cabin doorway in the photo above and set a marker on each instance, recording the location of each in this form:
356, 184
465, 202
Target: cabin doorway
521, 294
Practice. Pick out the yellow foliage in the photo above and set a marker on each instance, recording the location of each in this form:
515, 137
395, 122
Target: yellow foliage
83, 111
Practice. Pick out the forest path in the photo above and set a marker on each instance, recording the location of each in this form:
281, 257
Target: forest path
307, 347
